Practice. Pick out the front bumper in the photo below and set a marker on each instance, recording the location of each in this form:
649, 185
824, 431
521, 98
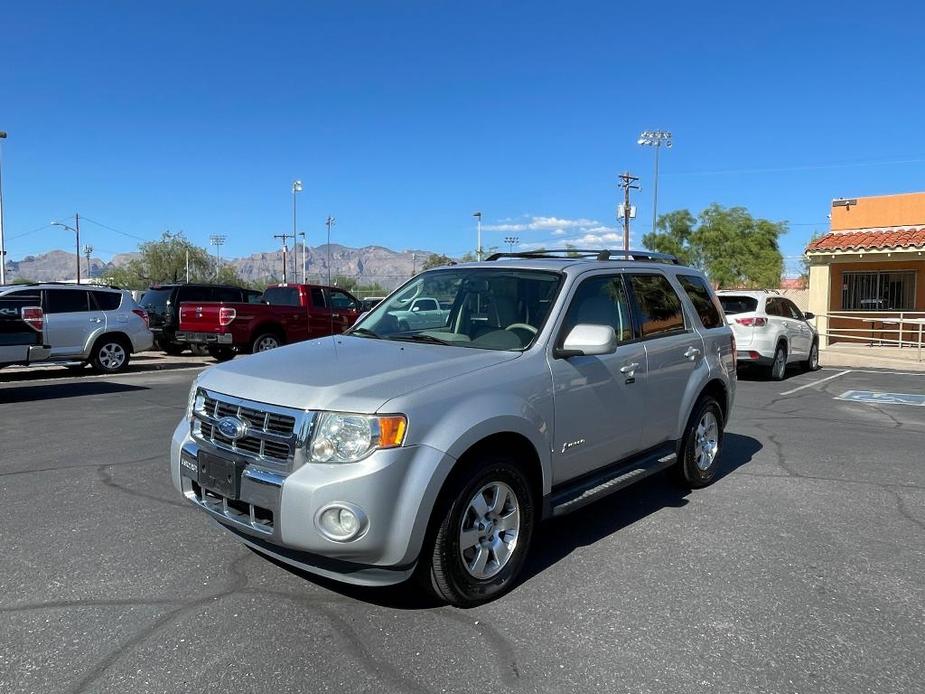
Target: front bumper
276, 513
205, 338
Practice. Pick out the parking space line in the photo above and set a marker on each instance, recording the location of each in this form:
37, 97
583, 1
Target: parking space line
816, 383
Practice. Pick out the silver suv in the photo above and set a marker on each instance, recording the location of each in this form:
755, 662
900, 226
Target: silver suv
102, 326
392, 450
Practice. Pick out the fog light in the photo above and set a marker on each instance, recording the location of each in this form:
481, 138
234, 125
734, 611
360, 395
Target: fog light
340, 522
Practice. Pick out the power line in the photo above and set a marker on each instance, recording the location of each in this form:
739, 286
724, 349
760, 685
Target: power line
118, 231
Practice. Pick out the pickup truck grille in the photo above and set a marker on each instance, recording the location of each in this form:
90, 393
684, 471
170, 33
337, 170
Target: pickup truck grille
272, 436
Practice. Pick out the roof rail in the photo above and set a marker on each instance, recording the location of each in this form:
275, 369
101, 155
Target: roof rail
597, 254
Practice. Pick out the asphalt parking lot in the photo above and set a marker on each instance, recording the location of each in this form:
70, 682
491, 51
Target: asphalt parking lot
800, 570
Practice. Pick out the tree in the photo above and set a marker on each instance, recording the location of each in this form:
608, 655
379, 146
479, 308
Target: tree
571, 251
436, 260
733, 248
164, 261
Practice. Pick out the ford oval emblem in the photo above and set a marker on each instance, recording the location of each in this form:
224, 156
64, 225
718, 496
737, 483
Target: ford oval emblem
232, 428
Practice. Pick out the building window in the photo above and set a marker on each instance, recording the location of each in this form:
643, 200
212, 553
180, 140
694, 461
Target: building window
878, 291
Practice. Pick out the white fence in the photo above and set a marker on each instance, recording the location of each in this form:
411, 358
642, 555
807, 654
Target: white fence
881, 328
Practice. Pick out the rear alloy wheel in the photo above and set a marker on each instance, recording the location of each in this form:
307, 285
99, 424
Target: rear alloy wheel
109, 356
779, 365
812, 363
700, 448
484, 531
265, 342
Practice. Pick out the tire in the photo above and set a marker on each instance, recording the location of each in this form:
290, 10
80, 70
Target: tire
222, 353
110, 355
172, 348
456, 574
264, 342
812, 363
701, 445
199, 350
778, 369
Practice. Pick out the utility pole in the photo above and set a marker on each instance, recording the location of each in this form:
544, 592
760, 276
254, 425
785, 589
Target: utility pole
627, 183
302, 234
2, 244
296, 188
414, 264
218, 241
88, 250
329, 222
76, 230
284, 238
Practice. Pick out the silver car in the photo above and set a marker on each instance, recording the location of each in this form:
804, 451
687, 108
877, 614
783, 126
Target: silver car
91, 324
391, 452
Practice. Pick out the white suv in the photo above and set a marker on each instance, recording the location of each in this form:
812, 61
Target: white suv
770, 331
102, 326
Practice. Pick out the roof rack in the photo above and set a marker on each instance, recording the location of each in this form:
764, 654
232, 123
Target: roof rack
597, 254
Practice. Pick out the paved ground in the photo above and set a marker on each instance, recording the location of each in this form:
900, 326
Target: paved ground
801, 570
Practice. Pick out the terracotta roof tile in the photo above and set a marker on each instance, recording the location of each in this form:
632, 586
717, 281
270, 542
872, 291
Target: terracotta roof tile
870, 239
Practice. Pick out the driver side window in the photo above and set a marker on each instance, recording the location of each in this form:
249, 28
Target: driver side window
600, 300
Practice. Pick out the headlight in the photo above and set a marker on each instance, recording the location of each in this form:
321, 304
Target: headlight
195, 401
340, 437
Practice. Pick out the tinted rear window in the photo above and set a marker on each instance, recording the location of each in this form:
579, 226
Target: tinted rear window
738, 304
107, 301
699, 293
229, 294
66, 301
156, 300
282, 296
659, 305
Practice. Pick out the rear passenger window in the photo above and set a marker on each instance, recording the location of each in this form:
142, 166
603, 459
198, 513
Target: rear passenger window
659, 305
600, 301
282, 296
66, 301
228, 294
106, 301
704, 303
317, 297
194, 294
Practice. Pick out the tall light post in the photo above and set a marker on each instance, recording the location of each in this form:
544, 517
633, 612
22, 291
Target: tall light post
511, 241
88, 251
217, 240
478, 235
2, 245
302, 234
655, 138
329, 222
76, 230
296, 188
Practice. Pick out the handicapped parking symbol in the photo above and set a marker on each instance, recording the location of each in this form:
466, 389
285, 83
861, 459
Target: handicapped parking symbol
869, 396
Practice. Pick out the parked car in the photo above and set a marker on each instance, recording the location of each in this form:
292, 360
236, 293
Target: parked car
387, 453
162, 304
369, 303
22, 326
771, 331
420, 313
286, 313
102, 326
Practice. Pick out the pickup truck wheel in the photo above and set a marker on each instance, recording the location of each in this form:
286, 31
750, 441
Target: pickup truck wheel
698, 458
265, 342
110, 355
484, 531
221, 353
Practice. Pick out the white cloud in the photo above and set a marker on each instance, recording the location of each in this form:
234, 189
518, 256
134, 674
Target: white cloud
559, 232
540, 224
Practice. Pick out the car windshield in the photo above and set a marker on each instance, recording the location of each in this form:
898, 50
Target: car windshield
733, 304
481, 308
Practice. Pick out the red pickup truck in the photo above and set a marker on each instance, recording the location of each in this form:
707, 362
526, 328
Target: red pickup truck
287, 313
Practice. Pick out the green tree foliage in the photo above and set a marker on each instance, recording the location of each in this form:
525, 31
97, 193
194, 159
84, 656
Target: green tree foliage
164, 261
571, 251
436, 260
733, 248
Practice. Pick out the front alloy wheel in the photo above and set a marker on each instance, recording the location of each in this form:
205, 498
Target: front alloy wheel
698, 457
481, 531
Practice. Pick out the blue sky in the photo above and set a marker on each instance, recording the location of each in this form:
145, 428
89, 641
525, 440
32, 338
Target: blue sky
402, 118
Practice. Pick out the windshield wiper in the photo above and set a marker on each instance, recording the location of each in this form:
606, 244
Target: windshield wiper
420, 337
365, 332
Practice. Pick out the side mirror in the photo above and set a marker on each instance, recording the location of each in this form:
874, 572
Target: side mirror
809, 316
587, 339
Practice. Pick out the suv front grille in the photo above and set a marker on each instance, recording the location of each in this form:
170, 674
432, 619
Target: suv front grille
272, 434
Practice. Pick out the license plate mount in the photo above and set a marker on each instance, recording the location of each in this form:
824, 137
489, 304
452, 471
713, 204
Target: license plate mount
220, 475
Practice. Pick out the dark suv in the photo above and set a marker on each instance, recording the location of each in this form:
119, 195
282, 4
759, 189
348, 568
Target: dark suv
163, 306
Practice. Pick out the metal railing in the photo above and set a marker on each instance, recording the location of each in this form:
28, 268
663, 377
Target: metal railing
877, 328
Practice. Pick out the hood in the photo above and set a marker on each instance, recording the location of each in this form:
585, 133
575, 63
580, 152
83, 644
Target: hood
351, 374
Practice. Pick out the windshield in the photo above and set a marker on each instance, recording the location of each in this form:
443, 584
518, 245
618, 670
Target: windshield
738, 304
499, 309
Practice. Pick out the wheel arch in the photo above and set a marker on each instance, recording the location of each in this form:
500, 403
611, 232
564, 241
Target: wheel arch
112, 335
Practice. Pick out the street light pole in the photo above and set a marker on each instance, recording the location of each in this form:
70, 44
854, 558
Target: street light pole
329, 222
655, 138
217, 240
478, 223
2, 244
76, 230
302, 234
510, 241
296, 188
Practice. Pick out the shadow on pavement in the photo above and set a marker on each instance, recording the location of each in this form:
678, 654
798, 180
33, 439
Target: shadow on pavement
553, 541
137, 365
55, 391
